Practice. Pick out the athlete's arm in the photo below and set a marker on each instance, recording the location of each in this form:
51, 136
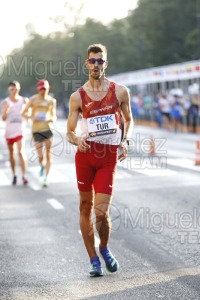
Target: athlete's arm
25, 112
5, 109
124, 100
26, 100
74, 110
126, 113
53, 112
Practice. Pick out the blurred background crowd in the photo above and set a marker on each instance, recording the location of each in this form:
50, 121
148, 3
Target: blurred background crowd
172, 110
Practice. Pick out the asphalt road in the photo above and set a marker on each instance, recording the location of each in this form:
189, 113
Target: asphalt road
155, 234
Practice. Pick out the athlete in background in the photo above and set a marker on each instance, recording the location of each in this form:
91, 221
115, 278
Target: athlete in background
12, 108
43, 114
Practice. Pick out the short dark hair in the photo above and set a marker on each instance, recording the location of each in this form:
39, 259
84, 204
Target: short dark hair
96, 48
14, 83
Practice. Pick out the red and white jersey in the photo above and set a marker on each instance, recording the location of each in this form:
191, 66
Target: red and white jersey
14, 121
101, 119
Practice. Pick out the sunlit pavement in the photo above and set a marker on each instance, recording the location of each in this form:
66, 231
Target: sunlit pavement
155, 214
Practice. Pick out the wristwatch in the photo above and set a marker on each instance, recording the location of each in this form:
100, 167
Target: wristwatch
126, 141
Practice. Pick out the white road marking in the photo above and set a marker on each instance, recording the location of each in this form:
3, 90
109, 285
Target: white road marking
7, 164
183, 163
118, 175
123, 174
55, 204
80, 290
92, 289
181, 153
156, 172
96, 239
56, 177
4, 179
53, 177
35, 186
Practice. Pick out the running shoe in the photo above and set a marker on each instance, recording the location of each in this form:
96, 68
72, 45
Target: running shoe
14, 182
45, 183
112, 264
41, 173
96, 270
25, 181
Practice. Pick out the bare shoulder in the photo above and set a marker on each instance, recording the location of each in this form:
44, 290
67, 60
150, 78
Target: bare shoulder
52, 99
76, 96
75, 99
120, 88
4, 102
122, 92
33, 98
25, 100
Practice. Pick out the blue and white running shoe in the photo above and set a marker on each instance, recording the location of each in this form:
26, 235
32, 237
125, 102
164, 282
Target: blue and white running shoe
112, 264
96, 269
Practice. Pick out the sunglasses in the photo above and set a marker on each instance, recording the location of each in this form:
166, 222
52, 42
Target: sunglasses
93, 60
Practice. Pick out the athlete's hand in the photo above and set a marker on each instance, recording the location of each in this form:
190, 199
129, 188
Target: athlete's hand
5, 109
82, 145
8, 107
123, 151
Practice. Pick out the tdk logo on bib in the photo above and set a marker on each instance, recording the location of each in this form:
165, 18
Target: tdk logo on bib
102, 125
103, 119
92, 121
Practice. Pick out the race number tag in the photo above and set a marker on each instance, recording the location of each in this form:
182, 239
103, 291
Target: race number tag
40, 116
17, 118
102, 125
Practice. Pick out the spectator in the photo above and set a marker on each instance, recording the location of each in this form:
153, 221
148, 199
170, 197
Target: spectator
193, 112
165, 109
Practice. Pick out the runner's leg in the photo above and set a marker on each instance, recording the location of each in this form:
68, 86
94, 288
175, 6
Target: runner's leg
39, 149
22, 157
103, 223
86, 223
12, 157
103, 186
48, 145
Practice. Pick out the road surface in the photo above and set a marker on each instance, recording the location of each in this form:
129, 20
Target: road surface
155, 233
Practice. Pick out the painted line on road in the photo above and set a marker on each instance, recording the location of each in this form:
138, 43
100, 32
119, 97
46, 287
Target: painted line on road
156, 172
34, 186
96, 239
53, 177
7, 163
4, 179
183, 163
91, 289
122, 174
118, 175
55, 204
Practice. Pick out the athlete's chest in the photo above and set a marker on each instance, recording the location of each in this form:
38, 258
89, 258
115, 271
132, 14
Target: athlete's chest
101, 107
41, 105
96, 95
15, 106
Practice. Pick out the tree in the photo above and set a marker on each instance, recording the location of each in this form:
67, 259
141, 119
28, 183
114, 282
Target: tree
157, 32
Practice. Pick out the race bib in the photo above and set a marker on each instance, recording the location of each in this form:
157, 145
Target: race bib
16, 119
102, 125
40, 116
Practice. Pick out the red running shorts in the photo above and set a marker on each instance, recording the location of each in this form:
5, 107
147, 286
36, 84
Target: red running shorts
95, 169
14, 140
